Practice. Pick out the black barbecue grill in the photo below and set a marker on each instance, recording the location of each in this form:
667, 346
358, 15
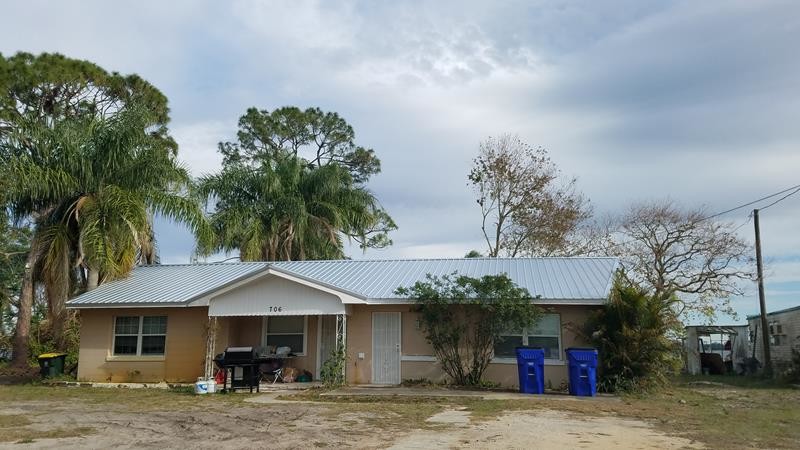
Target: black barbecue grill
241, 366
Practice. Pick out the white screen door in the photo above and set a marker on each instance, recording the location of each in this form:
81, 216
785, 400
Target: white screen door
327, 340
386, 348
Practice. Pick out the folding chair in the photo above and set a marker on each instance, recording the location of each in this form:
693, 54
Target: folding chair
273, 368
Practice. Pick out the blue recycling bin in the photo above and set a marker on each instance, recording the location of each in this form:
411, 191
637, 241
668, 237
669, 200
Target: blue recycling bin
582, 371
530, 365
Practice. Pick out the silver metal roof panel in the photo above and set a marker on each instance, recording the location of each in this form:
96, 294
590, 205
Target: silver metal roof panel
167, 284
563, 279
549, 278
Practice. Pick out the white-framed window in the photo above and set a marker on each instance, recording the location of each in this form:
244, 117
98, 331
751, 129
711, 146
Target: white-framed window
140, 335
285, 331
546, 334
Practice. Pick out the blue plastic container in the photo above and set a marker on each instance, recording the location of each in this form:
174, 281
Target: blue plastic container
530, 365
582, 371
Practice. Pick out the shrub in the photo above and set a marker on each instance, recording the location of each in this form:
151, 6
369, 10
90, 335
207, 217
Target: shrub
631, 334
792, 375
463, 317
332, 372
42, 341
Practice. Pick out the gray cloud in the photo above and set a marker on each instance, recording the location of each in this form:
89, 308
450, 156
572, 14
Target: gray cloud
639, 99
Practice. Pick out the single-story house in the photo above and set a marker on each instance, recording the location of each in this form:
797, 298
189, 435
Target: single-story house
165, 322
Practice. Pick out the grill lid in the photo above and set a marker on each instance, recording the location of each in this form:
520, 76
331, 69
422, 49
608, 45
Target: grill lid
239, 349
242, 354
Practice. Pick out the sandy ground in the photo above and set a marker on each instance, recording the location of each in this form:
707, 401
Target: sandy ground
546, 430
268, 423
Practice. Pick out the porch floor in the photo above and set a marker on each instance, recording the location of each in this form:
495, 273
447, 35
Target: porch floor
268, 387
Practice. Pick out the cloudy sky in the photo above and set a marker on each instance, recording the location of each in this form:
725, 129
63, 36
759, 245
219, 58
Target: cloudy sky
695, 101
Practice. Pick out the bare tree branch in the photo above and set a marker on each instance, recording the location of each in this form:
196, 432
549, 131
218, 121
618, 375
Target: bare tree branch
677, 252
524, 210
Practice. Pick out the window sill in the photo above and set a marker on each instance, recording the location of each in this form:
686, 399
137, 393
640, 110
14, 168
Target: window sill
417, 358
547, 362
135, 358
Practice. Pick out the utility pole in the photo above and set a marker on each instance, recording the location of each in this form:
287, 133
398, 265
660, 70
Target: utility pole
762, 302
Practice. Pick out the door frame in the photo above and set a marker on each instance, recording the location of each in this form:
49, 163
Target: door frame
319, 345
399, 345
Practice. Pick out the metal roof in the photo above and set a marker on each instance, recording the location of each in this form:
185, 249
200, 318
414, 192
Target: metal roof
780, 311
716, 329
563, 279
550, 278
167, 284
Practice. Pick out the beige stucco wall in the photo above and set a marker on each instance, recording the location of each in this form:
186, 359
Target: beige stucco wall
359, 340
186, 339
413, 344
184, 354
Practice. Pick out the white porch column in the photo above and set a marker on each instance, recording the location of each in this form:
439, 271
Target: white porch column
341, 339
211, 343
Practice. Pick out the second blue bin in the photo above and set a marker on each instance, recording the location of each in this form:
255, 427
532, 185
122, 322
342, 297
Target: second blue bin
582, 371
530, 364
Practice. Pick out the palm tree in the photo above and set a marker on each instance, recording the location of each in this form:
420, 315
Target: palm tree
286, 209
94, 186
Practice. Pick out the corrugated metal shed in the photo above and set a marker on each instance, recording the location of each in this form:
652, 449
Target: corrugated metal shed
374, 280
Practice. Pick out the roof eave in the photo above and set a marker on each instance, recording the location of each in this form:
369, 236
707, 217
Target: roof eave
70, 304
118, 305
538, 301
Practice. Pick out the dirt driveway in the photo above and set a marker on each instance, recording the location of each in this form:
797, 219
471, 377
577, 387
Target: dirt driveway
90, 418
546, 430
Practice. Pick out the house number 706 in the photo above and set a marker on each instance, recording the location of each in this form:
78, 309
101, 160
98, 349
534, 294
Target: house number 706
275, 308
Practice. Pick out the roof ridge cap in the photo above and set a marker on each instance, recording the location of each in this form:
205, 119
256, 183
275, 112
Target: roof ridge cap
483, 258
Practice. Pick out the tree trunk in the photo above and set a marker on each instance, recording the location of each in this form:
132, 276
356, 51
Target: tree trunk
56, 314
23, 329
93, 279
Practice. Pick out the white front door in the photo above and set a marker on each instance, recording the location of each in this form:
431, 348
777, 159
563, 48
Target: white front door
386, 348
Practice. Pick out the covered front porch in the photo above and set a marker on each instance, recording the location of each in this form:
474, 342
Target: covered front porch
302, 342
292, 322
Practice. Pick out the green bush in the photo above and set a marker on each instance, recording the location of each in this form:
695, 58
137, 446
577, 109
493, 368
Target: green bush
42, 341
463, 317
631, 334
332, 372
792, 375
5, 344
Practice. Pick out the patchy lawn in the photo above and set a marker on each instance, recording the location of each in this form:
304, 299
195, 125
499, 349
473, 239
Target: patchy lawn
710, 412
721, 412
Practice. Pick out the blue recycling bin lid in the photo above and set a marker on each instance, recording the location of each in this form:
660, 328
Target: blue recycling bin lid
582, 354
535, 354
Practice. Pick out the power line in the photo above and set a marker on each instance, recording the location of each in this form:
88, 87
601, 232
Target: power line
781, 199
792, 190
749, 218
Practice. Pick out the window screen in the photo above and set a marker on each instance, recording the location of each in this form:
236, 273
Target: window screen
546, 334
140, 335
286, 331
